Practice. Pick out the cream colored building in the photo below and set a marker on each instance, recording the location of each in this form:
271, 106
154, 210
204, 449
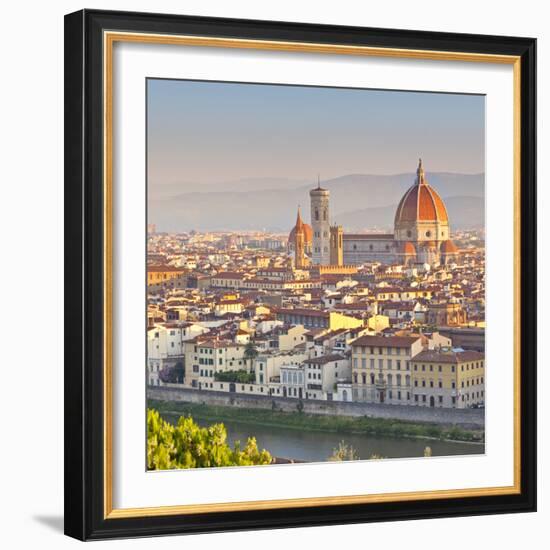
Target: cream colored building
381, 370
453, 379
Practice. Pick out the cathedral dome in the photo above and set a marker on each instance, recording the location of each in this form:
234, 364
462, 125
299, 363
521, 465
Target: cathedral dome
421, 203
308, 234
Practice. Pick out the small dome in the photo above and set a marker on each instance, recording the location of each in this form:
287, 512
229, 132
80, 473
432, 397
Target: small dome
448, 247
408, 248
421, 203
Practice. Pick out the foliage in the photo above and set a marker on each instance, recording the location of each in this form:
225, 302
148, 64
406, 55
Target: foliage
250, 351
241, 376
382, 427
187, 445
343, 452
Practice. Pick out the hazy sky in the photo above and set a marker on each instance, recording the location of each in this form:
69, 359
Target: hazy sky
212, 132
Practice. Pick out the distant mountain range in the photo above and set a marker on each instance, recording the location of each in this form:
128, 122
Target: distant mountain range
357, 201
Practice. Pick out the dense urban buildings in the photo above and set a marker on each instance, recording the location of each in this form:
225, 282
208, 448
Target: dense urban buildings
321, 314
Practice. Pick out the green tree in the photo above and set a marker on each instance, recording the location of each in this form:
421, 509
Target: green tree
188, 445
250, 352
241, 376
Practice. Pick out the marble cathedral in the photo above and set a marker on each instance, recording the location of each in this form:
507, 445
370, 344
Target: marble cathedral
421, 233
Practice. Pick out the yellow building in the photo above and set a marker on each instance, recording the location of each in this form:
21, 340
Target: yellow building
158, 274
453, 379
338, 320
377, 323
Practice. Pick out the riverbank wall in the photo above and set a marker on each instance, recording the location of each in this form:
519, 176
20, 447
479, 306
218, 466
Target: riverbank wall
470, 419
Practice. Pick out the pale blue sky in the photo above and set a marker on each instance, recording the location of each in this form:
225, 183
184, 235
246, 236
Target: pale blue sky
212, 132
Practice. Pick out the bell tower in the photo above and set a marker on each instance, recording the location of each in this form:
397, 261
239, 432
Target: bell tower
320, 225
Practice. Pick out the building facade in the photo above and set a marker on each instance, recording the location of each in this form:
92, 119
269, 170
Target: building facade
451, 379
381, 368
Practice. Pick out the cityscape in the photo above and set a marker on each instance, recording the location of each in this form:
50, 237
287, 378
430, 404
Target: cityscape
322, 340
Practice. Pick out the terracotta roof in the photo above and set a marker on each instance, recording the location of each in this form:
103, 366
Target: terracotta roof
407, 248
308, 234
386, 341
368, 236
448, 247
432, 356
421, 202
324, 359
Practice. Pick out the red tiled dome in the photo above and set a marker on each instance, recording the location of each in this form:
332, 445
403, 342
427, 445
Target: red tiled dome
408, 248
421, 202
448, 247
308, 232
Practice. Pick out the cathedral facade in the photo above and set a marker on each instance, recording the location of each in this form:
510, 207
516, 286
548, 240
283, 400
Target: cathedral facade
421, 232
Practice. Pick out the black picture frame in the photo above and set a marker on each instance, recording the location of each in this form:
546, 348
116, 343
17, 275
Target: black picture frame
84, 282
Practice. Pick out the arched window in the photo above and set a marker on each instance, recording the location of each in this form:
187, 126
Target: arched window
325, 215
428, 234
317, 214
409, 233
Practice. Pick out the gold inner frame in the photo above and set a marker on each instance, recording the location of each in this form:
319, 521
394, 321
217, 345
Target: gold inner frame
109, 39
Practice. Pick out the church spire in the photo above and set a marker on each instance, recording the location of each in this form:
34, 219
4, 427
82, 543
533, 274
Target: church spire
299, 222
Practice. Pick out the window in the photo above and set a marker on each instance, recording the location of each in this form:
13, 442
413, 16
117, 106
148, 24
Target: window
389, 364
398, 364
440, 399
372, 363
416, 383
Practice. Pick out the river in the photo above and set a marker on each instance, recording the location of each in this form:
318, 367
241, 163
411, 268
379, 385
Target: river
313, 446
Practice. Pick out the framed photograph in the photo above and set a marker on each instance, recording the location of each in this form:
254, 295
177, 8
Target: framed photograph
300, 274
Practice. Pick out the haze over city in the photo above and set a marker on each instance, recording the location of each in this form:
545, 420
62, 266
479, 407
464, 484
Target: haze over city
212, 144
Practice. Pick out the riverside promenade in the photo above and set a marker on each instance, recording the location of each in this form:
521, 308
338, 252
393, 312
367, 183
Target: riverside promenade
470, 419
